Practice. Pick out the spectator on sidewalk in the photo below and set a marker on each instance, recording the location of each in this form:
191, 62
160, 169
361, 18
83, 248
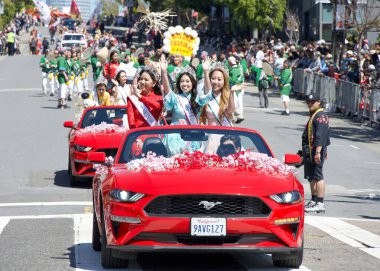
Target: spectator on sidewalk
11, 41
315, 139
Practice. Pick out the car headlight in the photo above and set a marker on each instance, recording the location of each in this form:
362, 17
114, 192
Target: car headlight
125, 196
82, 148
291, 197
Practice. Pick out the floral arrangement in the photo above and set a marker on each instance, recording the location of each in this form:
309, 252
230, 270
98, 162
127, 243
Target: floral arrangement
103, 128
244, 160
102, 169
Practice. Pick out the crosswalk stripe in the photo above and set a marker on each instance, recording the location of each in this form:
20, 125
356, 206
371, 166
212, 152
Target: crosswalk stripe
57, 203
3, 222
347, 233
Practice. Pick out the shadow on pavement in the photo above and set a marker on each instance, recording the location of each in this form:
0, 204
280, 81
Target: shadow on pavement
370, 217
49, 107
62, 179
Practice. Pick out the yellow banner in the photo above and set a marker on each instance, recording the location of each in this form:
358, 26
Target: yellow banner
182, 44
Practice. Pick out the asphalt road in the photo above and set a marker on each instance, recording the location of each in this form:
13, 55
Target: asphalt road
46, 225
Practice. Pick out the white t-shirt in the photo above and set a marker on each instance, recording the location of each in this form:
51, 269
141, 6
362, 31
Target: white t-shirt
259, 59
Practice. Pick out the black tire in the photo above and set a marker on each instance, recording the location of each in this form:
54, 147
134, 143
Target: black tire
96, 244
293, 260
73, 179
108, 261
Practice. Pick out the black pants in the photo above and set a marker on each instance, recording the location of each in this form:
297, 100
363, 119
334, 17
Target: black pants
263, 97
11, 48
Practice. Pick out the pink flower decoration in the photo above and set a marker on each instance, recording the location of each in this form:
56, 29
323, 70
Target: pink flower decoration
244, 160
103, 128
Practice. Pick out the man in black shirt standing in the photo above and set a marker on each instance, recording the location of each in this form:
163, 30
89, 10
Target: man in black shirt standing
315, 140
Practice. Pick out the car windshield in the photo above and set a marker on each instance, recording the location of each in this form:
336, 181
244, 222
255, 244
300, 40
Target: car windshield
96, 116
169, 143
73, 37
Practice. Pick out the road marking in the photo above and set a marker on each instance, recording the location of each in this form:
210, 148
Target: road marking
71, 216
347, 233
3, 222
372, 163
354, 147
59, 203
20, 89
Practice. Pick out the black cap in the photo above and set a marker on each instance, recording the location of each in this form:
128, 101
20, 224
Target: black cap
85, 95
313, 97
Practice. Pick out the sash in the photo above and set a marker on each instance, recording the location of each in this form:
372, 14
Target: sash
214, 107
185, 104
310, 132
96, 98
144, 111
123, 95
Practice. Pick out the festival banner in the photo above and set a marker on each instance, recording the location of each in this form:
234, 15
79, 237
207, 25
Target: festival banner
179, 41
44, 11
74, 10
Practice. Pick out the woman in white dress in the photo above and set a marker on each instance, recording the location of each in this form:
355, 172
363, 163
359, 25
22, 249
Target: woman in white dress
121, 91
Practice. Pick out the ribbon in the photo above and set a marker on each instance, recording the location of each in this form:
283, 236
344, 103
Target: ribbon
144, 111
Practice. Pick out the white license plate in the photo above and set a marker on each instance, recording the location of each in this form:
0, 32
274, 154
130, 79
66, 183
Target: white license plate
201, 226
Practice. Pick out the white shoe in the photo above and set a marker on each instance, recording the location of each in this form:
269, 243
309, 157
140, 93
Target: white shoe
310, 203
318, 208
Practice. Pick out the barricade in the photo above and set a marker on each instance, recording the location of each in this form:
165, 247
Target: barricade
375, 107
346, 96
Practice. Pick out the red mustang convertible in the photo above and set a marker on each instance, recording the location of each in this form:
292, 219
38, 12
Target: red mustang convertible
196, 189
99, 129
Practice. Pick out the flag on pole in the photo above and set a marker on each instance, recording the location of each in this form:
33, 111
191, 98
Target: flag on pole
44, 10
74, 10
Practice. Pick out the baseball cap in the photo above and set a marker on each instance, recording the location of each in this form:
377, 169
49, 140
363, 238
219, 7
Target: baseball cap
313, 97
232, 59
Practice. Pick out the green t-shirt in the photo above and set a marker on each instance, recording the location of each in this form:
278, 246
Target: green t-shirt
236, 76
62, 67
285, 80
44, 65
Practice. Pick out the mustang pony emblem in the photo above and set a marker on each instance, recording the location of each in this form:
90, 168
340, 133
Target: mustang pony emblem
208, 205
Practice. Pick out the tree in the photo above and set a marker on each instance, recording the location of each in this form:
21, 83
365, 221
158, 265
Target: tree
258, 13
292, 26
9, 12
361, 16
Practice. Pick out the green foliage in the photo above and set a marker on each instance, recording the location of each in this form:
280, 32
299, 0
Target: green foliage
9, 12
259, 13
110, 7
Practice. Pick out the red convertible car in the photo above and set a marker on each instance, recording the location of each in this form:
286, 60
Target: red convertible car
99, 129
196, 189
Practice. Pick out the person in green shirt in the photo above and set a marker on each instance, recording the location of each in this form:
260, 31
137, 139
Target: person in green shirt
96, 66
47, 74
285, 88
11, 42
54, 73
63, 78
237, 78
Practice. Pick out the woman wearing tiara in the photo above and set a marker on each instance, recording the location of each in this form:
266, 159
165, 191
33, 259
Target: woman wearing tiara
217, 100
182, 104
146, 103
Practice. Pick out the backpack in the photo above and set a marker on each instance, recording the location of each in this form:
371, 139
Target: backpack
33, 43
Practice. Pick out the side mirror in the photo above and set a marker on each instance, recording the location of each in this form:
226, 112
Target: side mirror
293, 159
96, 157
68, 124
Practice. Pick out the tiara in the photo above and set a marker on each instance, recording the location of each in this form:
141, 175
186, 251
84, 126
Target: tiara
218, 65
180, 70
155, 69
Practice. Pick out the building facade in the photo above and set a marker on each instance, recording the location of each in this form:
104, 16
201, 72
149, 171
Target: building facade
316, 18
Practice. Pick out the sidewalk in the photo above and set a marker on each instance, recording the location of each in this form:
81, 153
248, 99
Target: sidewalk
341, 125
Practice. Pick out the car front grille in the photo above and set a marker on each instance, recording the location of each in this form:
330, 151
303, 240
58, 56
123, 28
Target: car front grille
191, 206
109, 152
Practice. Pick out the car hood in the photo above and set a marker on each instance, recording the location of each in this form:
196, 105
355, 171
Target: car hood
100, 140
208, 180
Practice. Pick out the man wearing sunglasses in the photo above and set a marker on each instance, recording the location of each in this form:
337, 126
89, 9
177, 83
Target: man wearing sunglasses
315, 140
